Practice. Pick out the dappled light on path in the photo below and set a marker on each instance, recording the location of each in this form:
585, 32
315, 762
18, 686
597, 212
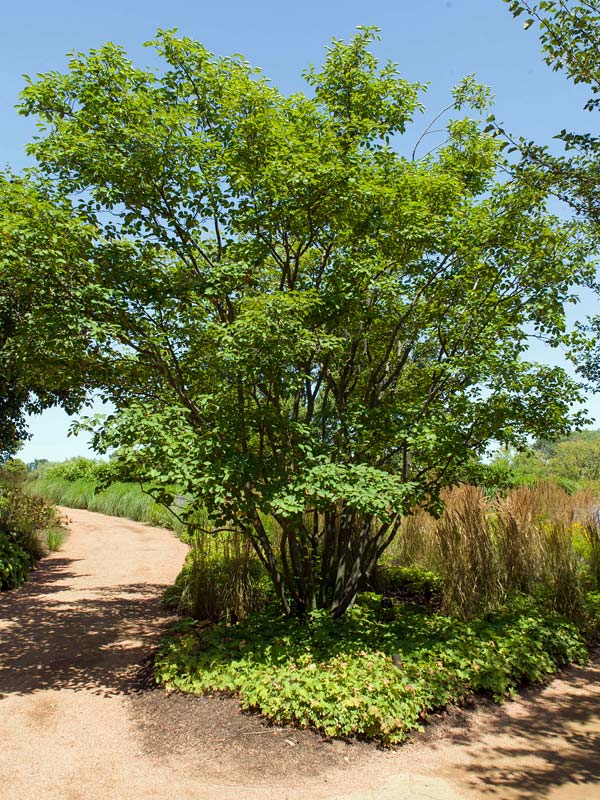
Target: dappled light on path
72, 626
94, 643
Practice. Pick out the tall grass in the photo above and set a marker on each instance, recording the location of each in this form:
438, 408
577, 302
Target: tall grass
592, 534
487, 550
118, 500
519, 539
416, 543
589, 527
471, 580
221, 578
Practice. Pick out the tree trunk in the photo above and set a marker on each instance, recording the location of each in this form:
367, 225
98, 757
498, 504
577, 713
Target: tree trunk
321, 559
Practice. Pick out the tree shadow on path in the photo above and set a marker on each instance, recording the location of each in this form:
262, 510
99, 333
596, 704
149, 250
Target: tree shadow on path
56, 636
531, 748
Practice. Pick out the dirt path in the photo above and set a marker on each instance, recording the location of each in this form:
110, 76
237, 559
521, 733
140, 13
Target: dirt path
73, 726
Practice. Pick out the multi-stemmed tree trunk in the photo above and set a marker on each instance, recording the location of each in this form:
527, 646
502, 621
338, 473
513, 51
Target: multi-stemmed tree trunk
320, 560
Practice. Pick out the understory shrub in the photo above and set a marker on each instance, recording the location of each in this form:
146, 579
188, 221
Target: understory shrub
28, 529
15, 562
408, 583
360, 676
592, 615
27, 518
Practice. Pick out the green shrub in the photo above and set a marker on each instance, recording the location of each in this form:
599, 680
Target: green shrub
27, 518
15, 562
358, 676
74, 469
408, 583
80, 468
13, 473
28, 529
591, 615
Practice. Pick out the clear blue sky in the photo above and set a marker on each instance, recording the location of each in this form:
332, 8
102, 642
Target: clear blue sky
435, 41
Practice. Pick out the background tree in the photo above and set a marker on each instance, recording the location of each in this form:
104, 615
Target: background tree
569, 32
572, 462
302, 329
44, 277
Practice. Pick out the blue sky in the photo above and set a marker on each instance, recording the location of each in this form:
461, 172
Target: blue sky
435, 41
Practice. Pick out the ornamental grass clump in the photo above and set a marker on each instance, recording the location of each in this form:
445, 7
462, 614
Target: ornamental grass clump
416, 543
221, 578
590, 529
471, 574
486, 551
519, 540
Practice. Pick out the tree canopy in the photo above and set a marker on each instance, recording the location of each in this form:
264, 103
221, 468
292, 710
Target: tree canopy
572, 462
45, 283
301, 327
569, 32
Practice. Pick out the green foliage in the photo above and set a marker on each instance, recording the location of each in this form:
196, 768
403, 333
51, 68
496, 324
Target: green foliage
495, 477
74, 469
120, 499
15, 562
592, 614
569, 33
28, 529
591, 535
220, 579
45, 279
26, 517
13, 472
54, 538
414, 583
359, 676
293, 320
573, 462
73, 494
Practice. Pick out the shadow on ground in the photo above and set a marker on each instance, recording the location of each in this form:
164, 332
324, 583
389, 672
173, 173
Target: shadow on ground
53, 636
95, 642
530, 749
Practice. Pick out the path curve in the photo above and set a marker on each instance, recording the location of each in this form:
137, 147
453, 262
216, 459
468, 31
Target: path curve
74, 727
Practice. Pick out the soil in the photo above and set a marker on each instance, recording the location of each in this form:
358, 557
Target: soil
81, 720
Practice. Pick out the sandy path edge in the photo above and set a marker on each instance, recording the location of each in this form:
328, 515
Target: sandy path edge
73, 728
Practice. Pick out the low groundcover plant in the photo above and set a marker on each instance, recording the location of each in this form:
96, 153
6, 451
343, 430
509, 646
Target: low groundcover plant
364, 677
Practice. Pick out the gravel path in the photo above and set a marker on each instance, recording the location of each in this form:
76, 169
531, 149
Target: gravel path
75, 726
